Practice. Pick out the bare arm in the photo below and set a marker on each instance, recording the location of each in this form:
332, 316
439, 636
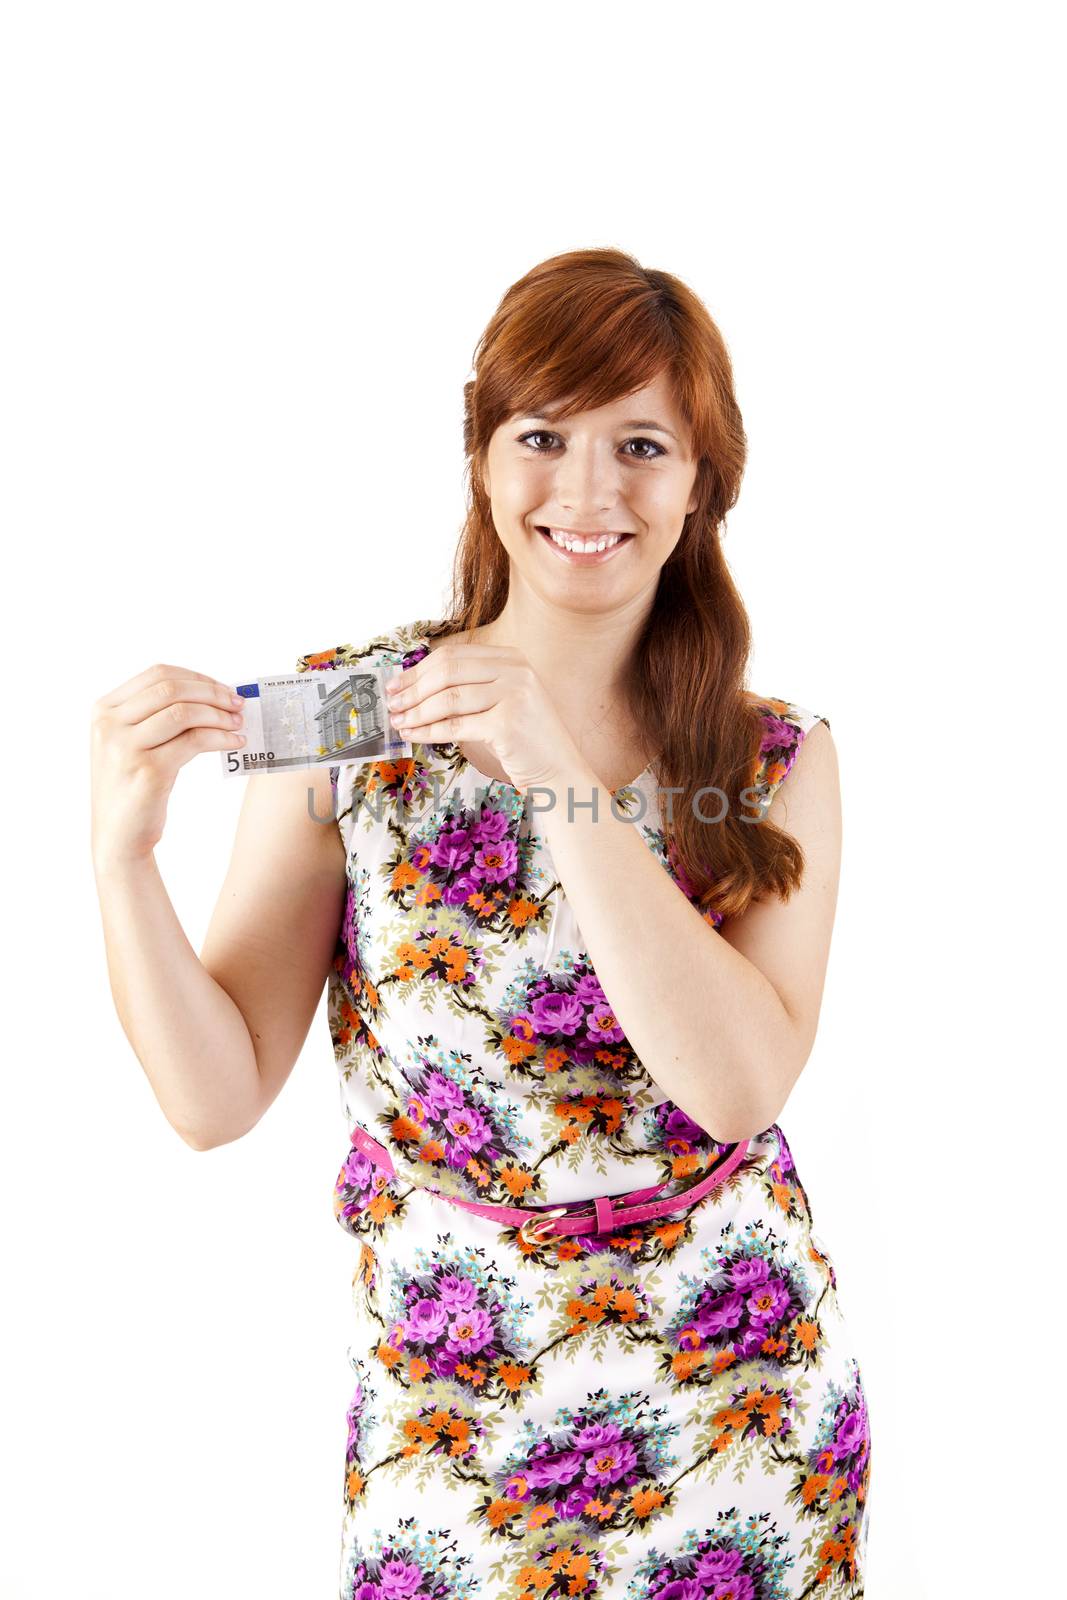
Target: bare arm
744, 1004
217, 1035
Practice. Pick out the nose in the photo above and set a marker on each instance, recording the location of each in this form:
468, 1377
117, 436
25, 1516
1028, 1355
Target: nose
587, 483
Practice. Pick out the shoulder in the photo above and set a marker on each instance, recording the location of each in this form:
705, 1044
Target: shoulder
401, 645
786, 727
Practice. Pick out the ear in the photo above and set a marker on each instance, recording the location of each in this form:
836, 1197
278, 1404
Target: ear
694, 493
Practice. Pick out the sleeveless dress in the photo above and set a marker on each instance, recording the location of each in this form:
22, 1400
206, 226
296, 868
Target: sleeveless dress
669, 1412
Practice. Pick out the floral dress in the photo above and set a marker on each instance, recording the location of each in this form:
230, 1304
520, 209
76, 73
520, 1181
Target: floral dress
671, 1411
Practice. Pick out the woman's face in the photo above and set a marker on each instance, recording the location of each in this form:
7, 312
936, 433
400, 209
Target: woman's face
622, 468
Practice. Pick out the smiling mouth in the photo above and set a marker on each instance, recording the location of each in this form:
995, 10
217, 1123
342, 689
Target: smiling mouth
588, 545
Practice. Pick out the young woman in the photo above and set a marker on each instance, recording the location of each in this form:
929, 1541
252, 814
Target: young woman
575, 949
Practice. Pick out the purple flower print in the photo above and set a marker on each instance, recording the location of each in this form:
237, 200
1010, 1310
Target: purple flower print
449, 1340
497, 860
426, 1320
777, 735
549, 1470
359, 1181
457, 1294
455, 1125
451, 849
769, 1301
469, 1130
739, 1588
852, 1441
399, 1579
748, 1272
610, 1462
850, 1436
716, 1565
604, 1026
366, 1591
720, 1315
471, 1331
559, 1012
351, 923
750, 1341
573, 1504
471, 855
445, 1361
491, 827
719, 1570
747, 1315
441, 1091
680, 1135
568, 1011
359, 1169
589, 1471
459, 890
597, 1435
681, 1126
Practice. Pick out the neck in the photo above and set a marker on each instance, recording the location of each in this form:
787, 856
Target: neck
582, 658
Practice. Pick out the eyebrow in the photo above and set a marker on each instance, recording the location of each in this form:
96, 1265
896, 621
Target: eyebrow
656, 427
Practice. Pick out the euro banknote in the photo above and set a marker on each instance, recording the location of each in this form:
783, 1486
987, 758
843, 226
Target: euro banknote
314, 719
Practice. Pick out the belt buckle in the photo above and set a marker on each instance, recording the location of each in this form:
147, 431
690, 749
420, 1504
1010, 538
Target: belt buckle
538, 1220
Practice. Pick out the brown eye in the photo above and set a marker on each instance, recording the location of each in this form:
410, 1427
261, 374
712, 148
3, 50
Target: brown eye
542, 433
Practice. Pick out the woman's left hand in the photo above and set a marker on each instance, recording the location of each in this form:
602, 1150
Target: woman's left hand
491, 695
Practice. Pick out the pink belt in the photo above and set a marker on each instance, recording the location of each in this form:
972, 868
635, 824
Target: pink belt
608, 1213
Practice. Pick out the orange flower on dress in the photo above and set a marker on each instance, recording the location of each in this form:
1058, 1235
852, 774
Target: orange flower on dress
500, 1511
516, 1181
807, 1332
813, 1487
644, 1501
521, 911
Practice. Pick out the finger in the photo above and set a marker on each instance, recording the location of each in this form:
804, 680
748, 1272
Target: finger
451, 657
474, 725
177, 689
433, 674
150, 675
174, 720
455, 701
182, 718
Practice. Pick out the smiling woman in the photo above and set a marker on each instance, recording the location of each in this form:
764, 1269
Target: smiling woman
593, 1324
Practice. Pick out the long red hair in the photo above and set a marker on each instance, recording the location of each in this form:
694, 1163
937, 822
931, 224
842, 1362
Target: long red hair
595, 325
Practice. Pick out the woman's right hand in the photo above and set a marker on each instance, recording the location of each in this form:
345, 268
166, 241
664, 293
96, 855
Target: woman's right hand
142, 733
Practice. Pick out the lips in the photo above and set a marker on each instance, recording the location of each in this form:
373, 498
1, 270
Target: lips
585, 558
603, 533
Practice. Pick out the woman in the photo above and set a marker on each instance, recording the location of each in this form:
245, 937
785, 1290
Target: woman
598, 1347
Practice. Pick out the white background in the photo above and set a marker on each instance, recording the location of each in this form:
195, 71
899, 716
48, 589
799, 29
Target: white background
248, 252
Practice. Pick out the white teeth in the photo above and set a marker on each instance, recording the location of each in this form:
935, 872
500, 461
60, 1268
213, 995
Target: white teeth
583, 546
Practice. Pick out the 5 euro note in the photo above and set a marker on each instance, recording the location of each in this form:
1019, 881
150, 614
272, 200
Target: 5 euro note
313, 719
